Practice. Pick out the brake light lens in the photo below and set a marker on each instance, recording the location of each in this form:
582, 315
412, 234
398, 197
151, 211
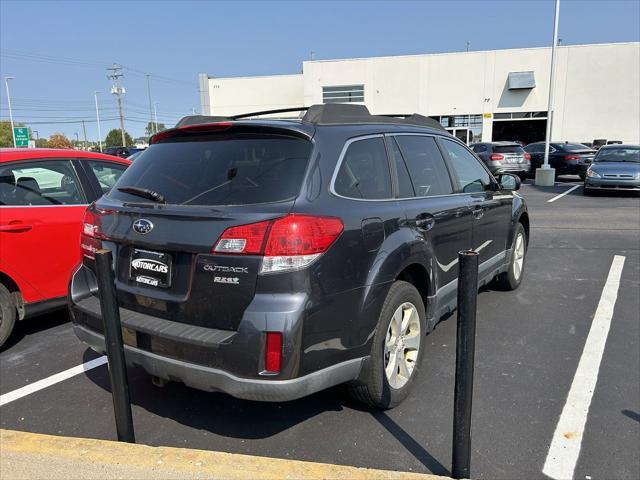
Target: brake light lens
572, 157
286, 243
91, 235
273, 352
496, 157
527, 156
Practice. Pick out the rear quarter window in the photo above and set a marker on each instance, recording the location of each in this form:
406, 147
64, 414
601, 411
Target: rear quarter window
364, 171
238, 169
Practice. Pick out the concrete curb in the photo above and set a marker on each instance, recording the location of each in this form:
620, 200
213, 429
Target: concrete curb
32, 455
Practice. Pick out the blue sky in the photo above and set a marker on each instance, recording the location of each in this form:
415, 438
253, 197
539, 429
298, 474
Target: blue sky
58, 51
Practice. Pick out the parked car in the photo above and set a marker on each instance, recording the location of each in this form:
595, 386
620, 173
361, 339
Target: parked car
567, 158
43, 196
270, 259
615, 167
504, 157
122, 152
135, 155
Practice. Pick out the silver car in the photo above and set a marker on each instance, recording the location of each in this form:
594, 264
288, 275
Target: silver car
615, 167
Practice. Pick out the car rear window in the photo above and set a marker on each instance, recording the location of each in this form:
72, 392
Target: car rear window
508, 149
573, 147
240, 169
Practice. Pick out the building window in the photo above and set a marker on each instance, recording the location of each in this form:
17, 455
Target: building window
343, 94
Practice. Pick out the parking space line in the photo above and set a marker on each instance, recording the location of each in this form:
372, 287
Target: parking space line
563, 193
53, 379
567, 439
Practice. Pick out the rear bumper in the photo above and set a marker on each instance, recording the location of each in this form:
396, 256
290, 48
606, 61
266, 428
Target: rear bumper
516, 168
212, 379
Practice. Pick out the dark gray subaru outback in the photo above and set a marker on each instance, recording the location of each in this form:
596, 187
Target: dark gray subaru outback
270, 259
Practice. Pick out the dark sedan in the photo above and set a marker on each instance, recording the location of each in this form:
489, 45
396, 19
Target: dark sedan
503, 157
567, 158
615, 167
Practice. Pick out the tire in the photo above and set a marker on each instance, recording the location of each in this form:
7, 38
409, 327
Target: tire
7, 314
511, 279
375, 387
586, 191
582, 176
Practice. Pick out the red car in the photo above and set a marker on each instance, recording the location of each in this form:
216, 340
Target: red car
43, 196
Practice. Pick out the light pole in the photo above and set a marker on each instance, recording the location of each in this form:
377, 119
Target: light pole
37, 134
95, 96
77, 139
545, 176
6, 83
155, 112
150, 103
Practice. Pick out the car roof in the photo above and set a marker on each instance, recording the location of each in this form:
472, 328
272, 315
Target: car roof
13, 154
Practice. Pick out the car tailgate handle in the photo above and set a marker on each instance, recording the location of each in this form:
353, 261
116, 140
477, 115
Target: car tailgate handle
16, 227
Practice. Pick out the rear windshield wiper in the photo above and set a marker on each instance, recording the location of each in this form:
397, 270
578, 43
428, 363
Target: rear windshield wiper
144, 193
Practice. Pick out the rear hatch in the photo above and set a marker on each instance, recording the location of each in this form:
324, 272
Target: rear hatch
198, 185
513, 154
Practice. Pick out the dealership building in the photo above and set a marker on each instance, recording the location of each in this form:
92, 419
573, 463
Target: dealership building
478, 96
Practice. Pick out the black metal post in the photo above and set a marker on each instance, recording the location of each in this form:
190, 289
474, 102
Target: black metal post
465, 351
114, 346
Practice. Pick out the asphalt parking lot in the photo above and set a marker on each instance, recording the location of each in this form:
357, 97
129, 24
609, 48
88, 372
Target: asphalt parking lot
529, 345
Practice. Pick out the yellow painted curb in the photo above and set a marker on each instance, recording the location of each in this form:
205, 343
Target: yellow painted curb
35, 455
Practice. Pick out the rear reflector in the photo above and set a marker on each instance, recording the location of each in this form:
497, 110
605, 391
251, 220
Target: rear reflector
287, 243
273, 352
496, 157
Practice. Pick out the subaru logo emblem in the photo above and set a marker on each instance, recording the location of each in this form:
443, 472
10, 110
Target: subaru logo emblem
142, 226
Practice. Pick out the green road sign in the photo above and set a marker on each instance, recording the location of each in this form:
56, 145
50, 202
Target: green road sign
21, 134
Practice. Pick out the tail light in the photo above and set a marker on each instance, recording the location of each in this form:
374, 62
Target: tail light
273, 352
286, 243
91, 235
572, 157
496, 157
527, 156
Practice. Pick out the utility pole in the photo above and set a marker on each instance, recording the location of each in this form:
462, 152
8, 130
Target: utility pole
155, 111
84, 129
6, 84
545, 176
150, 103
77, 139
95, 95
117, 90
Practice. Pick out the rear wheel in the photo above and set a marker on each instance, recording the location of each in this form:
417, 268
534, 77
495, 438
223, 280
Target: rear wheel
398, 347
511, 279
7, 314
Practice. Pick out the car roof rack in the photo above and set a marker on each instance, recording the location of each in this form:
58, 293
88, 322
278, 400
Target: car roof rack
326, 114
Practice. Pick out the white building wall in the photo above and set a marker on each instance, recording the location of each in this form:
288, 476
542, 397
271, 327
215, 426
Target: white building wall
597, 87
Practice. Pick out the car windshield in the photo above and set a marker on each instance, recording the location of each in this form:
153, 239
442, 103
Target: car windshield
239, 169
619, 154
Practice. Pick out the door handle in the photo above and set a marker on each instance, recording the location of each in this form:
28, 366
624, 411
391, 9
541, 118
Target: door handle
425, 222
16, 227
478, 213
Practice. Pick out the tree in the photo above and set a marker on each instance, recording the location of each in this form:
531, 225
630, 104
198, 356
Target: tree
42, 143
114, 139
58, 140
150, 129
6, 137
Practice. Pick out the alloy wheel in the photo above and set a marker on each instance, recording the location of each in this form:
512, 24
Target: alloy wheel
401, 345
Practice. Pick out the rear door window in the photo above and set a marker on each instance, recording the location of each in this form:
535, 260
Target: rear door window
364, 171
426, 166
240, 169
47, 182
107, 174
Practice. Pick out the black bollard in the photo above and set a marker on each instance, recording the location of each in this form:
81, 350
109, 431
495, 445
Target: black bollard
465, 352
114, 346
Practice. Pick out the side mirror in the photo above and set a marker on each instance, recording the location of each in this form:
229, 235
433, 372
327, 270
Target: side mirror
509, 181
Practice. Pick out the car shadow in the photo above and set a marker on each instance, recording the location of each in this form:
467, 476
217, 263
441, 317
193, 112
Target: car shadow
225, 415
33, 326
